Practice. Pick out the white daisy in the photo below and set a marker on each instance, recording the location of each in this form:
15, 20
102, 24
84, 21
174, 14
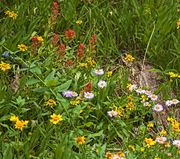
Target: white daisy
88, 95
169, 102
102, 84
153, 97
112, 113
161, 139
158, 108
99, 71
175, 101
176, 143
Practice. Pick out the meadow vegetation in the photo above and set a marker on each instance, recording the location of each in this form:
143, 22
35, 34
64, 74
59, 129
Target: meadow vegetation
67, 87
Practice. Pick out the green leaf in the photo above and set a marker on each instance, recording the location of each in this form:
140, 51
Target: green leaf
8, 152
32, 81
63, 87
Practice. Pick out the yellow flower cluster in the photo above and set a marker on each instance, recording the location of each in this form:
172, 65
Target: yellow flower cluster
89, 63
11, 14
109, 73
129, 58
173, 75
149, 142
22, 47
40, 39
4, 66
174, 123
130, 104
19, 124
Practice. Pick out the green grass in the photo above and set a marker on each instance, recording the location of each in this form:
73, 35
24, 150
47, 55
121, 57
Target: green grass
146, 29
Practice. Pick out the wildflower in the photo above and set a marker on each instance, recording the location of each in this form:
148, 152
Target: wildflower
142, 149
68, 63
148, 93
150, 125
99, 71
102, 84
140, 91
80, 140
14, 118
150, 142
62, 49
75, 102
109, 155
109, 73
40, 39
175, 126
163, 132
55, 39
131, 87
88, 95
70, 34
116, 157
5, 54
11, 14
129, 58
22, 47
161, 139
92, 41
51, 102
112, 113
153, 97
158, 108
176, 143
157, 158
80, 52
121, 154
178, 24
175, 101
56, 118
70, 94
170, 119
172, 75
79, 22
4, 66
20, 124
147, 104
130, 105
90, 61
169, 102
144, 98
88, 87
132, 147
83, 65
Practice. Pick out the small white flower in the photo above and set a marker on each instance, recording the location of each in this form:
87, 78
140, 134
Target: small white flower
175, 101
169, 102
158, 108
153, 97
161, 139
140, 91
112, 113
176, 143
88, 95
146, 104
99, 71
74, 94
102, 84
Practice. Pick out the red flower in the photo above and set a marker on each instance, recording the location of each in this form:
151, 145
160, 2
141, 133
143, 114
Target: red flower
69, 63
34, 38
55, 39
92, 41
62, 49
80, 52
88, 87
70, 34
55, 8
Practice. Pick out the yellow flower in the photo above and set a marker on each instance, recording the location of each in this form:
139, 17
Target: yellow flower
20, 124
22, 47
90, 61
120, 154
80, 140
11, 14
109, 155
163, 133
109, 73
79, 22
142, 149
150, 125
176, 126
172, 74
129, 58
14, 118
40, 39
75, 102
56, 118
157, 158
130, 105
4, 66
170, 119
51, 102
131, 147
178, 24
150, 142
83, 65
